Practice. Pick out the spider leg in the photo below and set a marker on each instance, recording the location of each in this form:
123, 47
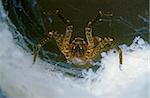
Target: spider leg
90, 24
98, 17
41, 44
99, 47
88, 31
65, 41
69, 27
90, 43
102, 47
91, 49
120, 55
35, 53
89, 36
62, 17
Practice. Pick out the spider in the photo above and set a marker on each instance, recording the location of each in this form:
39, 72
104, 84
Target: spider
78, 51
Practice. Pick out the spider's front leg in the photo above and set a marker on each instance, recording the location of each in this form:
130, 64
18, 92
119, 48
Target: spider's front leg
89, 36
65, 46
90, 53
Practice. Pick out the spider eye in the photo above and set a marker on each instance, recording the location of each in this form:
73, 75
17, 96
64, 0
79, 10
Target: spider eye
78, 50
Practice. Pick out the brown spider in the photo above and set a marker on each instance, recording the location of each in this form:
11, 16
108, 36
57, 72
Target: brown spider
79, 52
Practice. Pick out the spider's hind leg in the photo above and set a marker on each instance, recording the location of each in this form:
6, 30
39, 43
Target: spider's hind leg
120, 55
40, 45
89, 28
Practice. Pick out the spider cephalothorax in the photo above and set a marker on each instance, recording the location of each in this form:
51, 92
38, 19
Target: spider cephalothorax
78, 51
78, 47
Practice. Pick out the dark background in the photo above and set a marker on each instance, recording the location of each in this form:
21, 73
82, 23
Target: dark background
81, 11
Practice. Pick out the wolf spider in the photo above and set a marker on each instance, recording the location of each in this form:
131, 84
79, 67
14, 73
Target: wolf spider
80, 52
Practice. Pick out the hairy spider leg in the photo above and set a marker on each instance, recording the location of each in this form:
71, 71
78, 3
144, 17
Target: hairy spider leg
120, 55
65, 43
41, 44
89, 36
